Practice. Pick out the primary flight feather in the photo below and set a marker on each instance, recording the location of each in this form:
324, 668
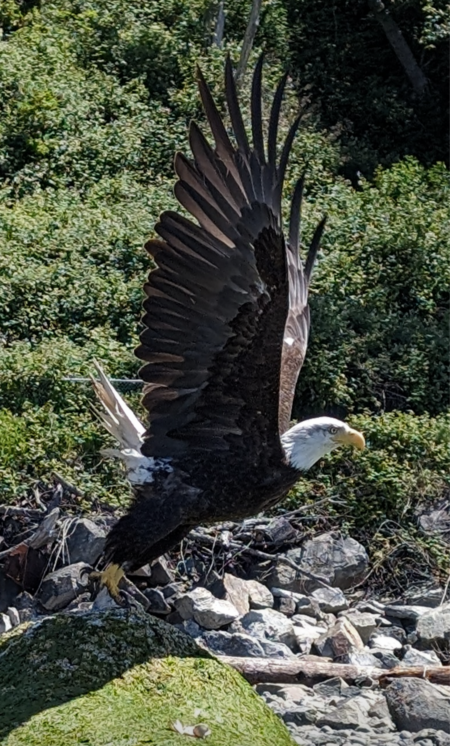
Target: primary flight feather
226, 326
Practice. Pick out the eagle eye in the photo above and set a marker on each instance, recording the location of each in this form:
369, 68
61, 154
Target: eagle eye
333, 430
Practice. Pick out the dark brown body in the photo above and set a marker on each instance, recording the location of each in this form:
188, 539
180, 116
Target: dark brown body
165, 511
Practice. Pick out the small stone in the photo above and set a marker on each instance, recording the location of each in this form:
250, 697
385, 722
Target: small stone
307, 606
234, 590
414, 657
362, 658
61, 587
190, 627
209, 612
330, 600
270, 625
5, 623
347, 715
85, 542
157, 602
384, 642
285, 605
259, 596
387, 658
161, 573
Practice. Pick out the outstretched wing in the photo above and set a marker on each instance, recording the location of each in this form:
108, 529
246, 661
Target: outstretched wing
218, 304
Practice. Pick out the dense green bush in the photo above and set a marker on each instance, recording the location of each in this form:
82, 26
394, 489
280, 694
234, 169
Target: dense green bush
345, 65
95, 98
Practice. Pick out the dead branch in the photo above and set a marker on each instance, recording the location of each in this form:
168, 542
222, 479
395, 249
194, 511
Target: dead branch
294, 671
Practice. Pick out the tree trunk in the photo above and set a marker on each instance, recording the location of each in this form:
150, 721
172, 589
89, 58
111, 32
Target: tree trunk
400, 47
287, 671
220, 25
249, 38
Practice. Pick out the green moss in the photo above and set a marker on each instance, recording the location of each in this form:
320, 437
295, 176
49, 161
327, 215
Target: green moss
122, 678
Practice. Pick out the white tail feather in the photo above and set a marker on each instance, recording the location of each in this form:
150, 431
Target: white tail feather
125, 427
117, 418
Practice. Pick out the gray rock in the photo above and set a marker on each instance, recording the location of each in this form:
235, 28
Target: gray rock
270, 625
61, 587
386, 658
342, 562
347, 715
362, 658
276, 649
104, 601
409, 613
224, 643
415, 657
157, 602
191, 628
161, 574
5, 623
340, 640
364, 623
285, 605
415, 704
259, 596
209, 612
85, 542
434, 626
235, 591
307, 606
330, 599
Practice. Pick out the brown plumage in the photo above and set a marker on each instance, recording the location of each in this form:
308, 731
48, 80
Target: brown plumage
226, 327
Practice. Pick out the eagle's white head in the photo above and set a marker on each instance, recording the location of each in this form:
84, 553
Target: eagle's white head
307, 442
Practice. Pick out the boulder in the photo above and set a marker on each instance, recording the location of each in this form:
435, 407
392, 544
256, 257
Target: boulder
259, 596
85, 542
415, 704
62, 586
340, 640
340, 562
330, 600
122, 677
207, 610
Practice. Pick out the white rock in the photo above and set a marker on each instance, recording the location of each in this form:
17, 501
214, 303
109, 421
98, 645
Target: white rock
209, 612
5, 623
434, 625
383, 642
14, 615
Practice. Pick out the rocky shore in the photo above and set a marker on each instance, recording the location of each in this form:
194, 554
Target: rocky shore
298, 604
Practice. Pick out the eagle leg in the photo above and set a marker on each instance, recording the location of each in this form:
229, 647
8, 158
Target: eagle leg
110, 578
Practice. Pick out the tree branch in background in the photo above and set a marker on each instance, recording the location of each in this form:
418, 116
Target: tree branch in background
220, 25
249, 38
400, 47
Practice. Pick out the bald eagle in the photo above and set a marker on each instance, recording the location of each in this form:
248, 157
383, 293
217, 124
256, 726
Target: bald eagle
226, 322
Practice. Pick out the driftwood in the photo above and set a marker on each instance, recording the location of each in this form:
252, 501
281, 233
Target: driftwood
296, 671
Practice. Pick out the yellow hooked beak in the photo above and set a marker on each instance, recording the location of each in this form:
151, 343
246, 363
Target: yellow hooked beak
351, 438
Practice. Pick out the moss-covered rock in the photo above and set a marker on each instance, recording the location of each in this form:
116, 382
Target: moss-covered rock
122, 678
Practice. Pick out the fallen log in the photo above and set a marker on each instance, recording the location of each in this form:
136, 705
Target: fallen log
297, 671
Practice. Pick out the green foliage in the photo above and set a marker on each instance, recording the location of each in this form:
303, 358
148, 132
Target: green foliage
95, 98
380, 297
345, 65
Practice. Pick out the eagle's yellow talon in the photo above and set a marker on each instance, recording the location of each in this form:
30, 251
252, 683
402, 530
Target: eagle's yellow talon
110, 579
